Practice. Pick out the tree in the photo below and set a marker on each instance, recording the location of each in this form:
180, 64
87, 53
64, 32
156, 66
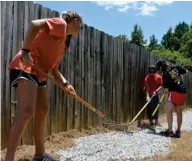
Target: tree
186, 43
167, 40
123, 37
179, 31
153, 44
137, 36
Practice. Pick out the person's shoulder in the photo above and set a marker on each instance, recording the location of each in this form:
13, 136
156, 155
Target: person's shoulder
158, 75
147, 76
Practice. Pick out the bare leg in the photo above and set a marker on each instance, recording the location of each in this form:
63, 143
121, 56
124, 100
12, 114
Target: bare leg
178, 111
40, 121
27, 99
170, 108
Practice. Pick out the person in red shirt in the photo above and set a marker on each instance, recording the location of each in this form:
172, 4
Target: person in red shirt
45, 42
152, 82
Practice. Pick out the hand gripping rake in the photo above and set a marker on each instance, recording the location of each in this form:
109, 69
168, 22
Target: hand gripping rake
106, 122
143, 108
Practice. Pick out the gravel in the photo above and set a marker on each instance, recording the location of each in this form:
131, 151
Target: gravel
122, 145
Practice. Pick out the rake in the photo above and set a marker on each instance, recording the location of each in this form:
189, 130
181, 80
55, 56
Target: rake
106, 122
143, 108
162, 97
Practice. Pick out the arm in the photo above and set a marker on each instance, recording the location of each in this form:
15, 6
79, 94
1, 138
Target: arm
147, 93
34, 27
58, 76
166, 80
147, 89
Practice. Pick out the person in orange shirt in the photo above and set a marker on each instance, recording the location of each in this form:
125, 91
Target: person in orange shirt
45, 42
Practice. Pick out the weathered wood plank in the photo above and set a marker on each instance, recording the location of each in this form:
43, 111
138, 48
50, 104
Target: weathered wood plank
110, 77
105, 74
77, 65
94, 52
114, 78
85, 76
119, 81
7, 36
3, 108
125, 81
82, 76
102, 73
98, 76
90, 72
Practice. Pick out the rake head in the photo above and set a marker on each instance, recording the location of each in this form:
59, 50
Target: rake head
115, 126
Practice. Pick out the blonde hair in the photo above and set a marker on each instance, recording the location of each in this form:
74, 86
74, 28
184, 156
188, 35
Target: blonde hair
70, 15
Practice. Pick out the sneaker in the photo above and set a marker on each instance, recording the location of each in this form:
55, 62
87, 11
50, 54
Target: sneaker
178, 134
46, 157
167, 133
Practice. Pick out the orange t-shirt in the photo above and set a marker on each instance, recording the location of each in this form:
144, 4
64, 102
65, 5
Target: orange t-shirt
47, 49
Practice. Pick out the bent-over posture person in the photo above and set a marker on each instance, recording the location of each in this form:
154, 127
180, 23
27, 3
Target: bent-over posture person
152, 82
45, 42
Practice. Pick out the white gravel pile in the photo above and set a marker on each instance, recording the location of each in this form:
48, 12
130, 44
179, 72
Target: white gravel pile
121, 145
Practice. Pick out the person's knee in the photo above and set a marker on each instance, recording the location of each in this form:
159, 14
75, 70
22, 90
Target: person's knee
178, 110
27, 111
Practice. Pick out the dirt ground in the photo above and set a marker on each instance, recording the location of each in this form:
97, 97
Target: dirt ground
181, 149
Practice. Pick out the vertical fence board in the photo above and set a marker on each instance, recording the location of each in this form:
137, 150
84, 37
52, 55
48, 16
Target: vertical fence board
6, 37
90, 73
77, 60
82, 77
85, 78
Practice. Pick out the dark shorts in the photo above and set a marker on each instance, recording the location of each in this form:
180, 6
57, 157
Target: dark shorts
151, 107
16, 75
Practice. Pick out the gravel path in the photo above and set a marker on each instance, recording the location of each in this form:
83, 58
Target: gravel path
121, 145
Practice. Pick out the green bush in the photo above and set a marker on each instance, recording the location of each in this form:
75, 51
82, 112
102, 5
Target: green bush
175, 57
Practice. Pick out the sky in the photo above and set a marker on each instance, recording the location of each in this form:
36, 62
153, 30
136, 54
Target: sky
119, 17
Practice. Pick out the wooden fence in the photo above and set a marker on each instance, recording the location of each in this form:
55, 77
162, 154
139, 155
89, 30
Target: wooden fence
105, 72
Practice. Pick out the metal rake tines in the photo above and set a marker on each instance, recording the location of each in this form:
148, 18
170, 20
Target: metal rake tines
115, 126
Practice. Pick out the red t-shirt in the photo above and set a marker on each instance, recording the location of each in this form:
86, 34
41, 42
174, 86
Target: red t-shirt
153, 82
47, 49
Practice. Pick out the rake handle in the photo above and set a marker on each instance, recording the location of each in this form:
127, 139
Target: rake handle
74, 96
158, 105
143, 107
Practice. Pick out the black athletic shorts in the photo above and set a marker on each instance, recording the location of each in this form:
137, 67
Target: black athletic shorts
16, 75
